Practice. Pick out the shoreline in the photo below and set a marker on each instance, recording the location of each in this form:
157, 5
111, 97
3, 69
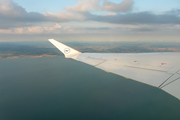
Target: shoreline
28, 56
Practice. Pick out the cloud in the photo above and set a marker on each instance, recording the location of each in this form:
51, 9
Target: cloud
121, 7
62, 16
144, 29
12, 16
89, 5
84, 5
111, 13
44, 28
174, 12
136, 18
100, 28
15, 19
11, 9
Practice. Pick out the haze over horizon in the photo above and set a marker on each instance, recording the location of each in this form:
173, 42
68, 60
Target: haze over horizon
90, 20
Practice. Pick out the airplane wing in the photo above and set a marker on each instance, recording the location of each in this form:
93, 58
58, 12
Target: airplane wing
160, 70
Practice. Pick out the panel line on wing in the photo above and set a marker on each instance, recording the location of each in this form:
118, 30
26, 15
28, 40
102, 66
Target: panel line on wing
165, 81
100, 63
145, 68
171, 82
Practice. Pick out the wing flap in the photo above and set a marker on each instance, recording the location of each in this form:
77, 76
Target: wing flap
173, 88
173, 78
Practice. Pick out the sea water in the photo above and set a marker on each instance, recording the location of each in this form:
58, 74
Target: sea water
55, 88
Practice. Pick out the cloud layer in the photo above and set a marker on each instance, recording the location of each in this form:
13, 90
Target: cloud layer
15, 19
136, 18
13, 16
88, 5
121, 7
84, 6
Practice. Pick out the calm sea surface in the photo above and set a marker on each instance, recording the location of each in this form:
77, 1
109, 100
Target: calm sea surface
55, 88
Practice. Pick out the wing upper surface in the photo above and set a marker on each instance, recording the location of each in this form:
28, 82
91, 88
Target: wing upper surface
160, 70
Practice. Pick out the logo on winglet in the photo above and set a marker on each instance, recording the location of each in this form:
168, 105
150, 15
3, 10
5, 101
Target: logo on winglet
67, 50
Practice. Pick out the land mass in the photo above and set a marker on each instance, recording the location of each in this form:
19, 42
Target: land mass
19, 50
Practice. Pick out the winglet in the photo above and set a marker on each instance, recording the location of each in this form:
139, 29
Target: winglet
66, 50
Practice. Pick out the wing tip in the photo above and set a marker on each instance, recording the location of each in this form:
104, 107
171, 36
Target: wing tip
51, 40
66, 50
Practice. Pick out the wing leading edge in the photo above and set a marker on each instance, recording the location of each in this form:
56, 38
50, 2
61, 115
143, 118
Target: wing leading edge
160, 70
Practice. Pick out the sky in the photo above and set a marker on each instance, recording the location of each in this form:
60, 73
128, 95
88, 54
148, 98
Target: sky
90, 20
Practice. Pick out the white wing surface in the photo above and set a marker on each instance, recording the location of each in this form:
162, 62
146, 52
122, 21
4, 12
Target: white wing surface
66, 50
160, 70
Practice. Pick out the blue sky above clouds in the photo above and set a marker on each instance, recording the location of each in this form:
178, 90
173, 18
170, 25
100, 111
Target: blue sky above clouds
57, 5
86, 20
